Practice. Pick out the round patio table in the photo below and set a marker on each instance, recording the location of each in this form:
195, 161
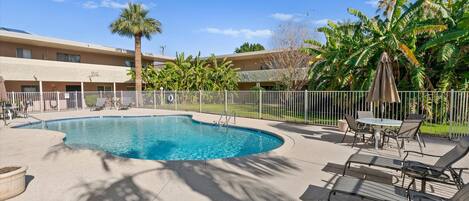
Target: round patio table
378, 125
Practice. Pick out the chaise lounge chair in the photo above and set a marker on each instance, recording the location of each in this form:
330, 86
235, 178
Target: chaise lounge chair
100, 104
437, 172
126, 103
379, 191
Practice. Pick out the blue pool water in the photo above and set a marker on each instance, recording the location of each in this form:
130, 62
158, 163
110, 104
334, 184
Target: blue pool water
162, 137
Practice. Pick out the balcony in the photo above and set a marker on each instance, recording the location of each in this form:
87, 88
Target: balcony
44, 70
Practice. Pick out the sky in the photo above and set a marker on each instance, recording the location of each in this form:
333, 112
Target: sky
189, 26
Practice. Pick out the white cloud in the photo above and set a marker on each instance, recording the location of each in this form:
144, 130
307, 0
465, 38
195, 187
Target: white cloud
323, 22
247, 33
282, 16
373, 3
109, 4
112, 4
90, 5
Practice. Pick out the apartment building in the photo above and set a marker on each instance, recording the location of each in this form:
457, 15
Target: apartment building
32, 63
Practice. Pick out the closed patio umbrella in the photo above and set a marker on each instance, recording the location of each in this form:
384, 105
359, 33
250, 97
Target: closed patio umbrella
383, 89
3, 97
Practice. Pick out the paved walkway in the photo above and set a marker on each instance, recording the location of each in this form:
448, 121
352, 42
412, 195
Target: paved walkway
303, 169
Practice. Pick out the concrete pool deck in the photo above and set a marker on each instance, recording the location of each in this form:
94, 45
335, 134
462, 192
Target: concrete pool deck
303, 169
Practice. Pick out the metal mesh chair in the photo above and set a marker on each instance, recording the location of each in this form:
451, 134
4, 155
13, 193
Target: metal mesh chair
421, 117
126, 103
353, 127
407, 131
365, 114
438, 172
379, 191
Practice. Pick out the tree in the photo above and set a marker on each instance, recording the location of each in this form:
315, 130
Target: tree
289, 38
357, 46
134, 22
248, 47
447, 52
191, 74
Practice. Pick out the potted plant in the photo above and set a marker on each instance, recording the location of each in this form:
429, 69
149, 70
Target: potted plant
12, 181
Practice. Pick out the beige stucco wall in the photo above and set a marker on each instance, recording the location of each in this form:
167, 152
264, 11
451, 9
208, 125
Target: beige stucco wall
249, 64
42, 70
8, 49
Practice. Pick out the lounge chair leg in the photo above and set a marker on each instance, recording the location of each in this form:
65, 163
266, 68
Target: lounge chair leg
421, 139
410, 184
345, 135
403, 179
354, 138
330, 194
398, 147
346, 166
420, 146
423, 186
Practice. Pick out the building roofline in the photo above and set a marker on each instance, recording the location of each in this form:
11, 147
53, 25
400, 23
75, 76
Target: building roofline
31, 39
247, 55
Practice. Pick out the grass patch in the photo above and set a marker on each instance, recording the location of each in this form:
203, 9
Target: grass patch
276, 113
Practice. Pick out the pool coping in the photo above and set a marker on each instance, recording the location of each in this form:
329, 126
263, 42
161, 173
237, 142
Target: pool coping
288, 142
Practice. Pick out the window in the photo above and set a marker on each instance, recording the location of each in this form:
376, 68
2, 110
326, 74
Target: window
23, 53
29, 88
104, 88
68, 57
129, 63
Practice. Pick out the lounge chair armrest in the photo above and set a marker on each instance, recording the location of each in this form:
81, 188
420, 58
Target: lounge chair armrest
420, 153
423, 196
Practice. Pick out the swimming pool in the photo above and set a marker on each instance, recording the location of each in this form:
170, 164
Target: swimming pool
162, 137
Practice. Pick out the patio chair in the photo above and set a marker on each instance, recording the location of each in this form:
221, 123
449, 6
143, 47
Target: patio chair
406, 132
353, 127
365, 114
126, 103
379, 191
421, 117
438, 172
100, 104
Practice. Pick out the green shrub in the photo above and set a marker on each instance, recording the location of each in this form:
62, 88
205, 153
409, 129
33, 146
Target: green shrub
90, 100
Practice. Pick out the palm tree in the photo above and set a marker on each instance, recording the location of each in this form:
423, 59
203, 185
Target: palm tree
135, 22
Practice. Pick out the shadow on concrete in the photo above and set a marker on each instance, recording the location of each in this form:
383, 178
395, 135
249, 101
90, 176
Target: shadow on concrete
236, 179
362, 172
61, 148
28, 179
122, 189
327, 134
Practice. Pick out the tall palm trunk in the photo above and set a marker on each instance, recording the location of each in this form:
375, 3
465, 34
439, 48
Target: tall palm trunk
138, 68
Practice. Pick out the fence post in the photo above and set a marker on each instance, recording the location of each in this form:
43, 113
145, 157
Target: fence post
13, 97
226, 102
260, 104
82, 89
41, 96
161, 96
306, 106
200, 101
154, 99
136, 99
58, 101
121, 99
114, 98
176, 99
451, 102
